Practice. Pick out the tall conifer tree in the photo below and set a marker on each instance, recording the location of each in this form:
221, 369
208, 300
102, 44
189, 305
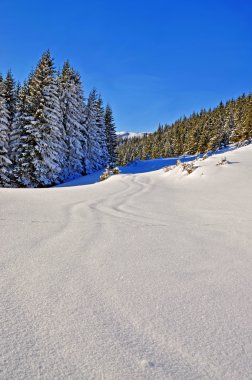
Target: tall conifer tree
111, 135
72, 103
44, 137
101, 132
92, 161
4, 138
10, 96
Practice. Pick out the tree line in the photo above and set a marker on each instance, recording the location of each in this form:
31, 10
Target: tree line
208, 130
48, 133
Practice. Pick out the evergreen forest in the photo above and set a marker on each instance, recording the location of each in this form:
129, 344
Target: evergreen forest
48, 132
206, 131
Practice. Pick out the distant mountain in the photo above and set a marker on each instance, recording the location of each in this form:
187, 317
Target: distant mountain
128, 135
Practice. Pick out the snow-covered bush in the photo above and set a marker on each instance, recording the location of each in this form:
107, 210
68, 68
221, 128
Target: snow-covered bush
189, 167
168, 168
104, 176
108, 172
186, 166
223, 161
204, 157
116, 170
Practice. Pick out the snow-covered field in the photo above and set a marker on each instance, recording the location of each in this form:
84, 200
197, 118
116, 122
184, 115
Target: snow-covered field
142, 276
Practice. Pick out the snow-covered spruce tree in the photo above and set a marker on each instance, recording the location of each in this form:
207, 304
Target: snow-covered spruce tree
246, 130
110, 135
16, 129
21, 140
101, 133
229, 122
216, 129
71, 100
204, 136
42, 144
236, 135
146, 148
4, 138
93, 154
10, 96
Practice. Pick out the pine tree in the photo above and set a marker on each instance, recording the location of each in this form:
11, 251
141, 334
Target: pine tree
229, 123
10, 96
111, 135
238, 119
93, 155
42, 143
217, 133
20, 140
246, 131
101, 133
4, 138
17, 126
146, 148
71, 99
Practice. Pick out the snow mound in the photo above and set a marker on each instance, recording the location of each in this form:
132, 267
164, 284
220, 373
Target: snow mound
146, 275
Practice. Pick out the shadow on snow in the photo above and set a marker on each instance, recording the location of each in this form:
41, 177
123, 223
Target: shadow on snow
141, 166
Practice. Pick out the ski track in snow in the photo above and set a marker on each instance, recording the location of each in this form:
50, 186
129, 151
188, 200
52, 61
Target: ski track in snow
143, 276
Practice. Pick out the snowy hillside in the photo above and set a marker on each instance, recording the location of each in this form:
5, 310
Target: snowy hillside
126, 135
146, 275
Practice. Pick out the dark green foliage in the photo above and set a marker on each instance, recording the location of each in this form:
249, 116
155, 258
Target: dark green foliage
199, 133
4, 138
110, 135
10, 95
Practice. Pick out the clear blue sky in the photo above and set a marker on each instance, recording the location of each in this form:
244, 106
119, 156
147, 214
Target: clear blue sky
153, 61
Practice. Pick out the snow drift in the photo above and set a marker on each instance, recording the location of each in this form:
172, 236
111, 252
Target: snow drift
142, 276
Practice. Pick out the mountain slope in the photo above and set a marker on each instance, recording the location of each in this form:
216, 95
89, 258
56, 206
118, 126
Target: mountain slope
126, 135
143, 276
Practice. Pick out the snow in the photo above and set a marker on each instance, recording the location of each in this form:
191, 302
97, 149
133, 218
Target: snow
141, 167
146, 275
126, 135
